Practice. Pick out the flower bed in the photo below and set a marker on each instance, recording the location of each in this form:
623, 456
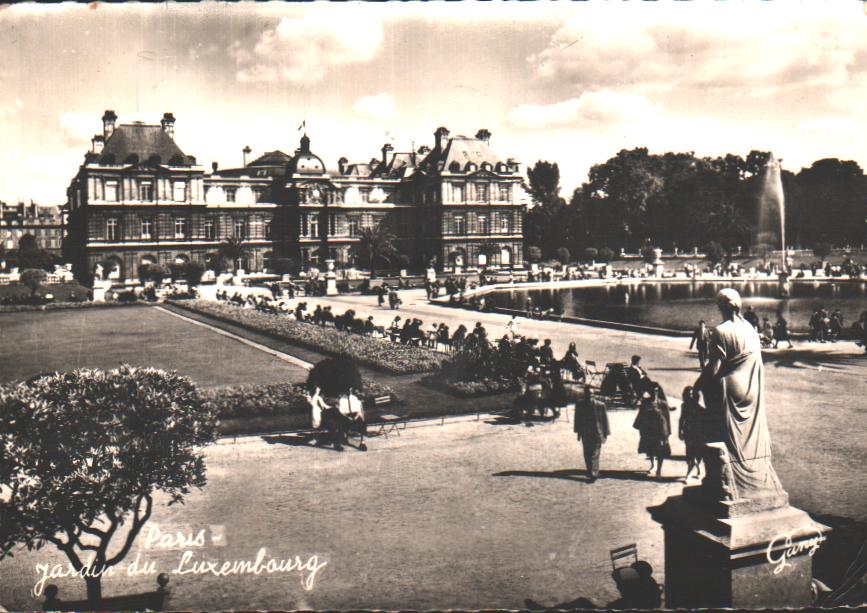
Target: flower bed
397, 359
472, 388
257, 408
54, 306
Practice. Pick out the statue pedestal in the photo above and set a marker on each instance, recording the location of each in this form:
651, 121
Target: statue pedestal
737, 554
331, 285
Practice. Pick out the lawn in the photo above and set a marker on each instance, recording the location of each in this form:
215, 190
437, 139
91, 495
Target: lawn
36, 342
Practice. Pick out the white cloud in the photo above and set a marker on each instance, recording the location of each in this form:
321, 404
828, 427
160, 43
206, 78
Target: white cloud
723, 47
378, 108
304, 50
590, 110
79, 128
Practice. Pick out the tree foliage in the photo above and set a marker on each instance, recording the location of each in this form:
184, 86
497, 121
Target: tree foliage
86, 451
334, 376
232, 250
33, 278
376, 244
685, 201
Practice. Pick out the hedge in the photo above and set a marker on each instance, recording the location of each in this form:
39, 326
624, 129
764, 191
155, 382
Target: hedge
380, 354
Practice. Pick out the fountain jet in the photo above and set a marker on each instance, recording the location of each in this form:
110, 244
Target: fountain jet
772, 204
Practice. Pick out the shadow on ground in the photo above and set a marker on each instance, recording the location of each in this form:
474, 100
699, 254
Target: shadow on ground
811, 358
837, 553
573, 474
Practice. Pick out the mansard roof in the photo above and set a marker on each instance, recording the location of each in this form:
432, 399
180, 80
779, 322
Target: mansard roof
133, 143
459, 152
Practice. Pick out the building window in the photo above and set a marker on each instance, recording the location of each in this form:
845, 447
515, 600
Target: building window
483, 259
267, 228
353, 226
332, 225
314, 226
111, 229
147, 229
505, 193
230, 194
459, 225
483, 224
179, 192
240, 229
146, 191
482, 192
505, 223
111, 191
180, 227
209, 229
458, 193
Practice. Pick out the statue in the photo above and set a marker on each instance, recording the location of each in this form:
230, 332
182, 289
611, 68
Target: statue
739, 462
97, 274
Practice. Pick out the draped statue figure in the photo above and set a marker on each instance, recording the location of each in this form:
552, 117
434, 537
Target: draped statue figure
733, 385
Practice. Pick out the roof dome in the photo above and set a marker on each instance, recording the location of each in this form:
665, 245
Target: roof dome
305, 162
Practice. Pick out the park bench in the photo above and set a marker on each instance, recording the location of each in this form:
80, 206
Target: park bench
146, 601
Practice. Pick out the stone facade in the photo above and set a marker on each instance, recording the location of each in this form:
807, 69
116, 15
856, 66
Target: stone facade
43, 223
139, 199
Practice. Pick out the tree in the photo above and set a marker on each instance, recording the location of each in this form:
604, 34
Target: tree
714, 252
375, 244
27, 242
606, 254
233, 250
822, 250
85, 452
33, 278
534, 254
334, 376
147, 272
563, 255
193, 272
648, 253
590, 253
545, 223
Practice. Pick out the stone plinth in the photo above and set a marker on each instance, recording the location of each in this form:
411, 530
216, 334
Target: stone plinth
737, 554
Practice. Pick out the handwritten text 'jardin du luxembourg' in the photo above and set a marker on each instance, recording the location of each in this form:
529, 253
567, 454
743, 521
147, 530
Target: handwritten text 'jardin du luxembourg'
188, 563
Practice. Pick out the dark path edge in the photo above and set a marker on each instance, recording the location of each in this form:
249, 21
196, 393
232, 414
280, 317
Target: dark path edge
415, 399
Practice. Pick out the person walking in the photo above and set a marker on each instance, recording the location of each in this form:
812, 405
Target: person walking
592, 429
690, 430
700, 337
512, 327
653, 427
781, 331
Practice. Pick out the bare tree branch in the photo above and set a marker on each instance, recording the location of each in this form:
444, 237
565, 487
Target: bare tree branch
136, 527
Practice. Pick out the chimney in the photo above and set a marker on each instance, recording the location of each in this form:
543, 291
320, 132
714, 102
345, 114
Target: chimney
214, 167
108, 121
168, 124
385, 149
341, 165
484, 135
246, 151
439, 135
97, 143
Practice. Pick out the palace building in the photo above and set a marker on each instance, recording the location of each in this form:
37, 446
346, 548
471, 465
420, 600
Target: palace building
138, 198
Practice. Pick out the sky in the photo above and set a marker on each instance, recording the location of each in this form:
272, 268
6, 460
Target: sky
571, 83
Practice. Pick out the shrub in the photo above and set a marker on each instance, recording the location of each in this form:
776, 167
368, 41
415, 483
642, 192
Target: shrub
563, 255
86, 451
271, 400
398, 359
606, 254
590, 253
648, 254
403, 260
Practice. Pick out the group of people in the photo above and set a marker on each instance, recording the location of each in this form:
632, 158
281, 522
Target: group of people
336, 419
824, 326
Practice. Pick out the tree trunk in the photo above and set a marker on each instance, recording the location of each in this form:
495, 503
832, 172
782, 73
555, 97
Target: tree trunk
94, 589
